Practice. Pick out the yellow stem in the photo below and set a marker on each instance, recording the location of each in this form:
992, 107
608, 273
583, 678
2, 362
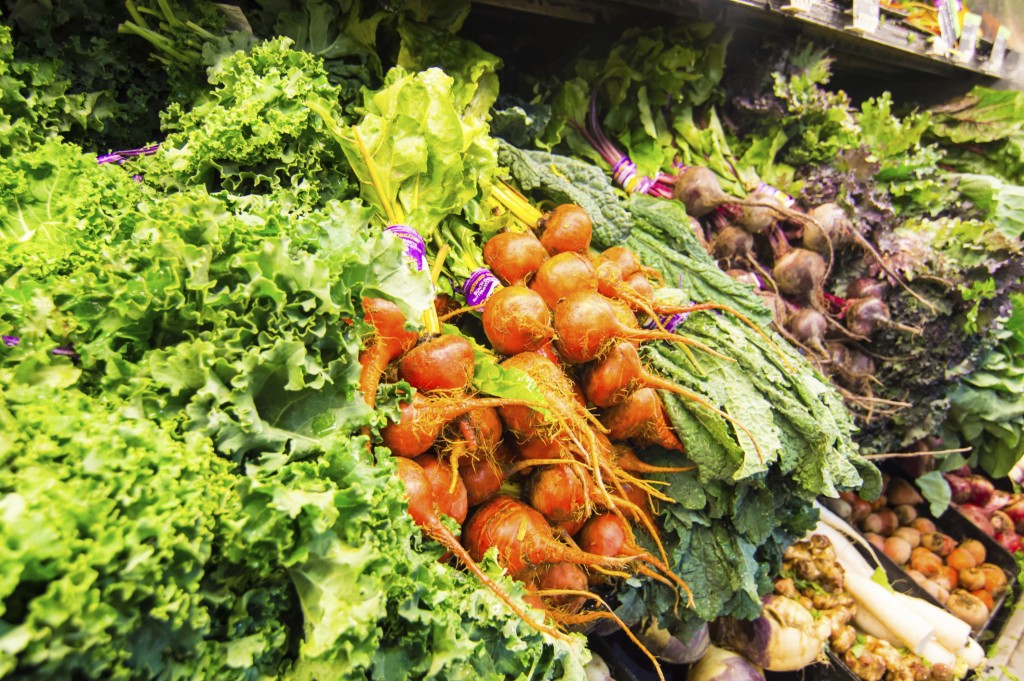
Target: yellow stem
394, 217
516, 203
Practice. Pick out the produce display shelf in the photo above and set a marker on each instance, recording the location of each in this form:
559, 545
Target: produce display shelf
892, 47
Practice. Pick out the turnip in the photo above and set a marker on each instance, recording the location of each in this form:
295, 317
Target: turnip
567, 228
514, 256
516, 319
786, 637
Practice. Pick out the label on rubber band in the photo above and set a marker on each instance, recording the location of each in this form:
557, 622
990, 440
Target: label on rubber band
414, 247
480, 286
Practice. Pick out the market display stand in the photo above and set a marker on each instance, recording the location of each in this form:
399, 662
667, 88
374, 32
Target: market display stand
1006, 657
886, 43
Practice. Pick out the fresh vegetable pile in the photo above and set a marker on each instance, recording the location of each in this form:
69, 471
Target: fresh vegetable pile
888, 270
321, 391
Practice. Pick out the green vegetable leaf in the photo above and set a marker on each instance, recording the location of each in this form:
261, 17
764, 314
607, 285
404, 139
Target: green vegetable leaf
936, 492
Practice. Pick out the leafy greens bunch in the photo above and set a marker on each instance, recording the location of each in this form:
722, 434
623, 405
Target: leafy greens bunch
211, 513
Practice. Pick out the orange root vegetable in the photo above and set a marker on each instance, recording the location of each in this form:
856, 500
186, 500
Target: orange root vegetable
995, 578
423, 418
516, 320
561, 577
547, 351
586, 325
608, 535
523, 538
566, 228
483, 479
627, 460
442, 482
563, 274
961, 559
611, 379
972, 579
641, 285
423, 512
559, 493
441, 363
975, 548
627, 261
388, 343
938, 542
641, 418
514, 257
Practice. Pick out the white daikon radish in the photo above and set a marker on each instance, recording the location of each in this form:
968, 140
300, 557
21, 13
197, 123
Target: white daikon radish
913, 631
865, 620
972, 654
835, 522
935, 653
846, 553
950, 631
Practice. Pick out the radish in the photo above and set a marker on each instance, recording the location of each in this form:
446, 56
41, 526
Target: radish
641, 418
563, 274
609, 535
523, 538
514, 256
864, 316
388, 343
610, 381
586, 325
516, 320
566, 228
424, 513
447, 488
423, 418
440, 363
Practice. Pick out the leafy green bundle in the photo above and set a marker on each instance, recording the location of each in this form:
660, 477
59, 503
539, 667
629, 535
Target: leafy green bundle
201, 465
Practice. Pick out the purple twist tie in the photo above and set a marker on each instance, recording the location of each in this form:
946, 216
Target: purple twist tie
670, 322
125, 154
782, 196
480, 286
415, 249
63, 351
